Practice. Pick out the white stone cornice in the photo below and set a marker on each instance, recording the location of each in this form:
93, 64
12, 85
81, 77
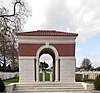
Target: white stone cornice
67, 57
43, 40
26, 57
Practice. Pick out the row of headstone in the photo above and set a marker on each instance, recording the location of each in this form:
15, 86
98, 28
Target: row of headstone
8, 75
91, 74
44, 75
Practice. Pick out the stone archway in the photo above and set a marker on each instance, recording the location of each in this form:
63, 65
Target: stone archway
48, 49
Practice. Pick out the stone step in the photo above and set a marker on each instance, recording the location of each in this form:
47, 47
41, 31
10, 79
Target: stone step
51, 91
49, 87
51, 84
33, 86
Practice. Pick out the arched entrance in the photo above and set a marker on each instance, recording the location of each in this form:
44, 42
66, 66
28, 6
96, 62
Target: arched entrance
49, 73
55, 63
46, 67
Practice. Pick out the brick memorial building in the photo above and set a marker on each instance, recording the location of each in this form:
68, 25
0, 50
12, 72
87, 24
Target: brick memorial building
60, 45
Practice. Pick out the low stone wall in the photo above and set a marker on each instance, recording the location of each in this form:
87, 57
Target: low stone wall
88, 86
10, 88
91, 74
8, 75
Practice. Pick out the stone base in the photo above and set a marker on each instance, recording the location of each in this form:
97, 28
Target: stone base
50, 87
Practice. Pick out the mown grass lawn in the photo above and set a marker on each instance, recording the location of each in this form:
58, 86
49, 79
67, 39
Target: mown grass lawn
89, 80
41, 76
13, 80
47, 76
16, 79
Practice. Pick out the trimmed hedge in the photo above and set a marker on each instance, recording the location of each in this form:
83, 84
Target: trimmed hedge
97, 82
2, 85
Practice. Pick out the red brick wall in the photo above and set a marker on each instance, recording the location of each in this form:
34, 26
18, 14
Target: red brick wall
65, 49
31, 49
28, 49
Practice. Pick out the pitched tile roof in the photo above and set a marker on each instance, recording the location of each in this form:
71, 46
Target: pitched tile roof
46, 33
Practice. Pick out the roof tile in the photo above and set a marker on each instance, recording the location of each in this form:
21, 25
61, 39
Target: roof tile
46, 33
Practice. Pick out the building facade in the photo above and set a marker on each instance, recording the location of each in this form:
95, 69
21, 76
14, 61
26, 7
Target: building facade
60, 45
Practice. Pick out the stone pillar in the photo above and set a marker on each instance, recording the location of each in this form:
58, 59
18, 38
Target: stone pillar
34, 70
37, 70
26, 69
67, 69
56, 71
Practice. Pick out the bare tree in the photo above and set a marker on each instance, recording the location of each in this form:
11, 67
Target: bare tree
43, 65
8, 28
21, 16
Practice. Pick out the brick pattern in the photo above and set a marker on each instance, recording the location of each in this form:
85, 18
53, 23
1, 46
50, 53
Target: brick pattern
65, 49
28, 49
31, 49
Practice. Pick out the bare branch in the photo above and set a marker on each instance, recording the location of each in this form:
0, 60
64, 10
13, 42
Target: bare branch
14, 11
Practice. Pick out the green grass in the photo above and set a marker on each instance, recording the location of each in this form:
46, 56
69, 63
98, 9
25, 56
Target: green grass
16, 79
89, 80
13, 80
47, 77
41, 76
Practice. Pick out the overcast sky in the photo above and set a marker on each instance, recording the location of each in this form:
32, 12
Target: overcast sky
78, 16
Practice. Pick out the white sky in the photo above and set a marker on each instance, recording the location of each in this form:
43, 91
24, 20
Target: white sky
47, 58
38, 9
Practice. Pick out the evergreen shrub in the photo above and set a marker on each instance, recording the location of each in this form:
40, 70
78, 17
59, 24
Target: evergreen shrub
2, 85
97, 82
